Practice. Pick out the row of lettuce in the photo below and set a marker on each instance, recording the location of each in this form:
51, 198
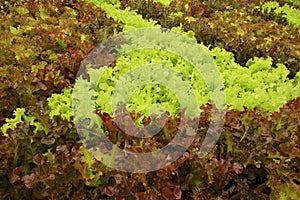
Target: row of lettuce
42, 155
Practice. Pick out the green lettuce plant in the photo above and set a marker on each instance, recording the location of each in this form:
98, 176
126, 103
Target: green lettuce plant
20, 118
131, 19
60, 104
291, 14
259, 84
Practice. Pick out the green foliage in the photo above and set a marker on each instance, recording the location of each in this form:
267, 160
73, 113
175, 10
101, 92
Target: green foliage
255, 85
270, 5
251, 87
131, 18
20, 117
61, 104
12, 123
148, 95
291, 14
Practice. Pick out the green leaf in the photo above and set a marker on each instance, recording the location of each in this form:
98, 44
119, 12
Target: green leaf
15, 31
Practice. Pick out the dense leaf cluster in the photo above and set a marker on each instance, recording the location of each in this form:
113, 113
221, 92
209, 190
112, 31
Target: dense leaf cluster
250, 86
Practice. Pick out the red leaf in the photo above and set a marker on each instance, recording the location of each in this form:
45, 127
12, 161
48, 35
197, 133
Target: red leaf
238, 168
